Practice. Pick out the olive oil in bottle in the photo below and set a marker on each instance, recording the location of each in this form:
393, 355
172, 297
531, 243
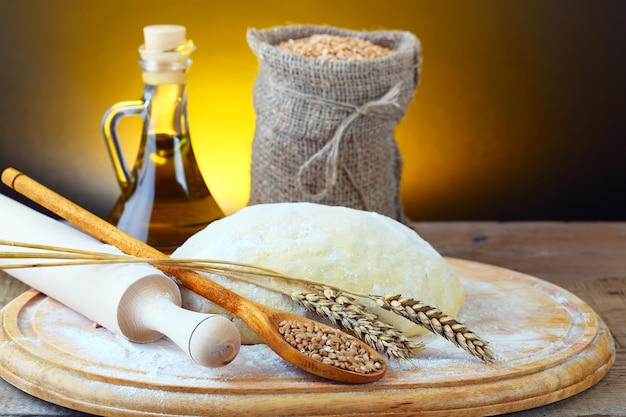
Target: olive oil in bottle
164, 198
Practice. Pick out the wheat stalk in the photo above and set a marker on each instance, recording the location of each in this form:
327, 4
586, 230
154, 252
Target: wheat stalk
338, 305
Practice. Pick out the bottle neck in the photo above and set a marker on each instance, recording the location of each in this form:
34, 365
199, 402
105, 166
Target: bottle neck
156, 72
165, 98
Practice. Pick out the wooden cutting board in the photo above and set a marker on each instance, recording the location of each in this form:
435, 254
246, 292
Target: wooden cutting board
550, 345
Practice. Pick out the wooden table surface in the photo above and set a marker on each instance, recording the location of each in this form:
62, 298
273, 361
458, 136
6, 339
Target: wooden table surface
588, 259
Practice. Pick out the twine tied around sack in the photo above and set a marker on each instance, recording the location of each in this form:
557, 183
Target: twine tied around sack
386, 107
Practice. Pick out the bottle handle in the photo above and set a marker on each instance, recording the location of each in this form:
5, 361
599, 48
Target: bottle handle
109, 131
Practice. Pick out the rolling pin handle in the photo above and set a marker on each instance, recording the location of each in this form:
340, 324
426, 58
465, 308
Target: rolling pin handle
214, 342
210, 340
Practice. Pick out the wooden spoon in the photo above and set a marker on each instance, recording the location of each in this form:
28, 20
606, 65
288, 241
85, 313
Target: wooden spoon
263, 320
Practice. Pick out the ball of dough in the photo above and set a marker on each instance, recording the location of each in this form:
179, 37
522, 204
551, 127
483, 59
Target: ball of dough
348, 248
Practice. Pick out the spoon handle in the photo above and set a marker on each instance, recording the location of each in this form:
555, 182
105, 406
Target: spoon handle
261, 319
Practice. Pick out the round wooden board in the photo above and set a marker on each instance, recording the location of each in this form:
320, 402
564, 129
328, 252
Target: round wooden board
550, 344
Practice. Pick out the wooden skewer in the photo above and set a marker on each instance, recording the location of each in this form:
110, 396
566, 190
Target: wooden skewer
264, 321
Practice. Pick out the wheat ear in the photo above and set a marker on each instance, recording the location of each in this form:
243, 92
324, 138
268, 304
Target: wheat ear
438, 322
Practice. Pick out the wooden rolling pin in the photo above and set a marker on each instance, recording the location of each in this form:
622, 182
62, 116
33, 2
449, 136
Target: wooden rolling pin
136, 301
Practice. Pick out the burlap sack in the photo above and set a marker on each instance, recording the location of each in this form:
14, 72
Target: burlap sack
325, 129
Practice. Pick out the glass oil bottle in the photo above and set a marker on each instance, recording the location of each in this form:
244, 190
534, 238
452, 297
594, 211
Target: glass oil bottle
164, 198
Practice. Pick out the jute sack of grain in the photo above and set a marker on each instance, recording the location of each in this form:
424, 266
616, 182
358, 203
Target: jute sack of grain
325, 128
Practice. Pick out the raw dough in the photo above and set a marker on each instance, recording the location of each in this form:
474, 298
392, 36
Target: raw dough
352, 249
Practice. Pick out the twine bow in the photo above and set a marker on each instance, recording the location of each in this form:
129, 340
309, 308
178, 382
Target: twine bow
386, 107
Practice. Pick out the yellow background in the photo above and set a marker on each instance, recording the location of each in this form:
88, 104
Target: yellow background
517, 115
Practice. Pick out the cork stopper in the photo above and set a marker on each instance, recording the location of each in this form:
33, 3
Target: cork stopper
161, 38
165, 54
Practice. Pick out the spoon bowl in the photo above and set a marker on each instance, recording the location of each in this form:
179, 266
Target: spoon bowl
312, 365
